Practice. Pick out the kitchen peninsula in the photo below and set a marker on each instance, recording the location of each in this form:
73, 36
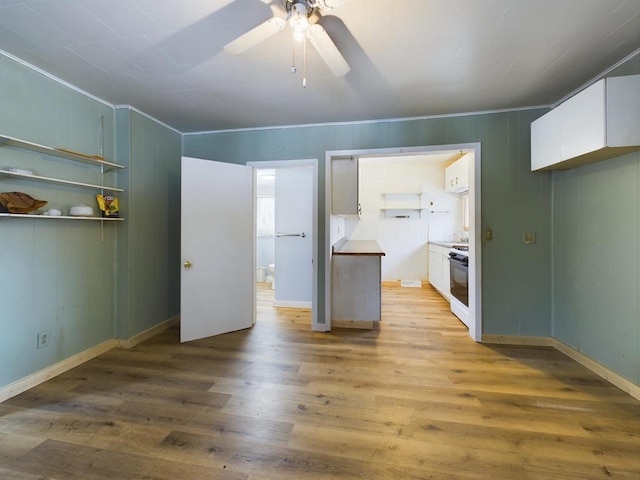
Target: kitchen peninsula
355, 274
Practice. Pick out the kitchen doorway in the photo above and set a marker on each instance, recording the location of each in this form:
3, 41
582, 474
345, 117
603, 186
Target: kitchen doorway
337, 228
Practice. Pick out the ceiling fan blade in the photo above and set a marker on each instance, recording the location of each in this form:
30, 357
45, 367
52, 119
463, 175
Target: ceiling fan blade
328, 50
336, 3
255, 36
275, 5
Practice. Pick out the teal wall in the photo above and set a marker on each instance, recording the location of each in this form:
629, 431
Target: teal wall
57, 275
596, 253
149, 245
516, 277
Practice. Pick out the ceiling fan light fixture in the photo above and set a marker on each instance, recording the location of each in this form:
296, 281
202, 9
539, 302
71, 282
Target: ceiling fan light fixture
298, 14
299, 20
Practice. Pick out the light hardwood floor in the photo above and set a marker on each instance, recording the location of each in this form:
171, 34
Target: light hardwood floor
412, 399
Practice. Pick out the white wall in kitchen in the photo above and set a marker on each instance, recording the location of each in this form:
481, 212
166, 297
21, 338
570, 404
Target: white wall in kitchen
404, 240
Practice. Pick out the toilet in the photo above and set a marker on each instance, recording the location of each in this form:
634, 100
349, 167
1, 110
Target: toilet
272, 272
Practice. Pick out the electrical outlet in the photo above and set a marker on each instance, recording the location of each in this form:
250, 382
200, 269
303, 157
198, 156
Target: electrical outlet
529, 237
43, 339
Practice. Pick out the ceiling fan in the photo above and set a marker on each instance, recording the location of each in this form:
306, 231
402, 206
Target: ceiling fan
297, 13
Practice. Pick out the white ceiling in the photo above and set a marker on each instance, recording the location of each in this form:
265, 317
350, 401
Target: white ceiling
408, 57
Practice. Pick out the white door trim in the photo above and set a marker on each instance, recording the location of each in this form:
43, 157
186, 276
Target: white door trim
314, 229
475, 238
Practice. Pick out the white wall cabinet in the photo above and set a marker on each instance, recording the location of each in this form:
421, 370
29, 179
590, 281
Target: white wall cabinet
439, 271
600, 122
345, 187
456, 175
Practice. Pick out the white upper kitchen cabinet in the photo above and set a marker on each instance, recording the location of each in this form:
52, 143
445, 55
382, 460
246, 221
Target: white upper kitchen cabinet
456, 175
546, 141
600, 122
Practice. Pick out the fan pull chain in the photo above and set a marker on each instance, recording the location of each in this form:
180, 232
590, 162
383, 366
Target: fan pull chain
304, 62
293, 58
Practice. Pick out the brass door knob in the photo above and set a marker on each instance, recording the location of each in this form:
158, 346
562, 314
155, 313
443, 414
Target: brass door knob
187, 264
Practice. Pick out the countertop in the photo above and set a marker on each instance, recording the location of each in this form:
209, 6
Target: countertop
359, 247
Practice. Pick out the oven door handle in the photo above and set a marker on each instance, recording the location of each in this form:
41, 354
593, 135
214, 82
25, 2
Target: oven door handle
456, 260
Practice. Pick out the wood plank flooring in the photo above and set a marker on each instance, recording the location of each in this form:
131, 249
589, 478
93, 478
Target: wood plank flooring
415, 398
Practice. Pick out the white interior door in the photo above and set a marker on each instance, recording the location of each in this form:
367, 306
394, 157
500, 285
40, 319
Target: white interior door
217, 279
294, 242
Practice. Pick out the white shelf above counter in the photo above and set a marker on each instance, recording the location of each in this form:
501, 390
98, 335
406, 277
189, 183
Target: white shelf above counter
59, 181
402, 204
403, 199
402, 213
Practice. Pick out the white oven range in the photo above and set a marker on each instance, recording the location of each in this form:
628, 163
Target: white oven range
459, 265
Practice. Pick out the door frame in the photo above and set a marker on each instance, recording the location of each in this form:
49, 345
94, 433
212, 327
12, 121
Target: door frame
313, 162
475, 227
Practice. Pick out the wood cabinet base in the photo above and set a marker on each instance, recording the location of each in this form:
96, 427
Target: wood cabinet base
361, 324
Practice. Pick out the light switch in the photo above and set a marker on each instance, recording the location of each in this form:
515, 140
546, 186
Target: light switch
529, 237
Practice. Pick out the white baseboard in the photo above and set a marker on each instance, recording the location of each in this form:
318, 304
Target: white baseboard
622, 383
280, 303
612, 377
48, 373
147, 334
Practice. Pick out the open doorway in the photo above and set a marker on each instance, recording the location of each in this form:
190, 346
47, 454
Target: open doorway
285, 225
433, 214
218, 289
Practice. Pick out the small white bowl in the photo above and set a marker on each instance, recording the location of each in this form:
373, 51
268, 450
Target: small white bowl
52, 212
81, 211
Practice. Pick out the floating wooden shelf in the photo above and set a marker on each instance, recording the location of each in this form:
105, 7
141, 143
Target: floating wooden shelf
57, 152
59, 181
59, 217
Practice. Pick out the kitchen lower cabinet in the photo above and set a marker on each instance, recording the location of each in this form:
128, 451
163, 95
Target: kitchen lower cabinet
439, 271
435, 267
356, 296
